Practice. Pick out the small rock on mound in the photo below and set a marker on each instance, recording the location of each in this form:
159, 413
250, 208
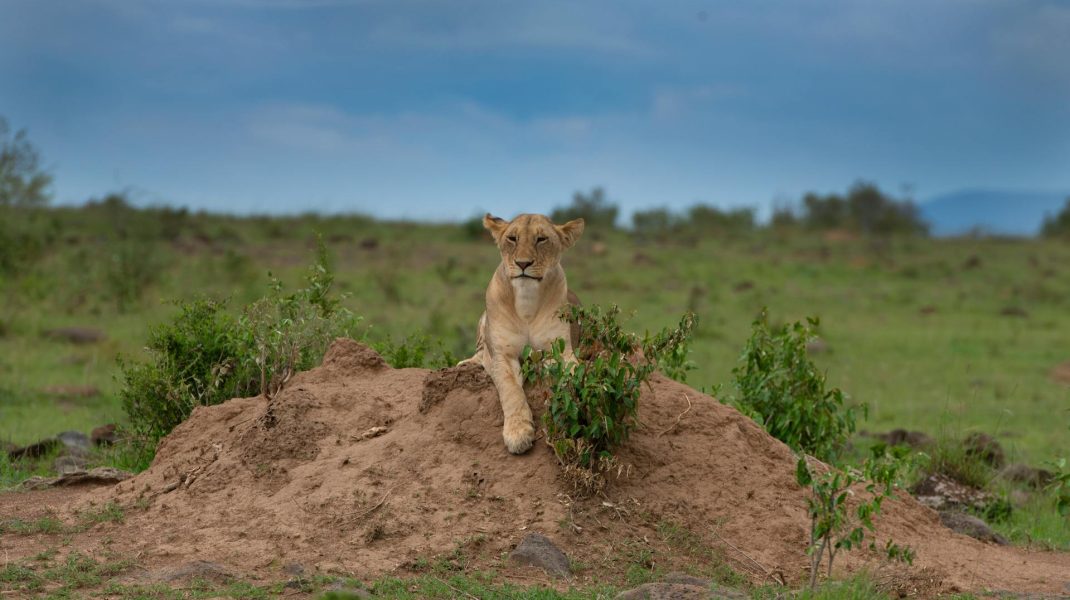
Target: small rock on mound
971, 526
536, 550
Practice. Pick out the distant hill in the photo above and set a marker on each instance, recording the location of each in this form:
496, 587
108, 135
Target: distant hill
1004, 212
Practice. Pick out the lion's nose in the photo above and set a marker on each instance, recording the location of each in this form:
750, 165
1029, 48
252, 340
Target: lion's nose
523, 264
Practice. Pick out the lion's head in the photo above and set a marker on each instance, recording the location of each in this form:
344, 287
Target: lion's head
531, 245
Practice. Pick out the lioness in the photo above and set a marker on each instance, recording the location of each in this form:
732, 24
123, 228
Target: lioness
523, 299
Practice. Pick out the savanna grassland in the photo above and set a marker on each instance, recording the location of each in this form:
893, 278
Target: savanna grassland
947, 336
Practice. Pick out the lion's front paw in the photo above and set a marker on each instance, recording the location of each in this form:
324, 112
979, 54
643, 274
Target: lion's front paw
519, 435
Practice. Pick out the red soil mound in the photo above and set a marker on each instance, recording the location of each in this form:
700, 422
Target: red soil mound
305, 478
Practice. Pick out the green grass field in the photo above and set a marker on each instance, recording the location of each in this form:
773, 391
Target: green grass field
945, 336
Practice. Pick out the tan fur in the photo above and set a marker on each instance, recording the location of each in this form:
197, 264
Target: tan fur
523, 301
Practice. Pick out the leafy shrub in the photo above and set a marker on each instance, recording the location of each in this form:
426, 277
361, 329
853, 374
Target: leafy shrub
291, 333
592, 404
207, 356
195, 361
415, 350
780, 387
1059, 486
832, 526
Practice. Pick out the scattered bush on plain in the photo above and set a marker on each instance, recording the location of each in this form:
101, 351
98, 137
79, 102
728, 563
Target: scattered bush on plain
779, 387
1057, 225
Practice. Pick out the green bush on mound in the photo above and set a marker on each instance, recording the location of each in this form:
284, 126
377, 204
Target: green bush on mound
780, 387
207, 355
592, 404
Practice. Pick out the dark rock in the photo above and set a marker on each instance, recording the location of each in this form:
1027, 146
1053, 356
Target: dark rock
97, 476
986, 448
537, 550
76, 335
71, 392
294, 569
198, 569
67, 464
903, 437
940, 492
103, 436
74, 439
642, 259
1024, 474
35, 450
971, 526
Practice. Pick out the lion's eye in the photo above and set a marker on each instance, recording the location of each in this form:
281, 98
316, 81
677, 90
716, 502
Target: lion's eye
511, 238
540, 239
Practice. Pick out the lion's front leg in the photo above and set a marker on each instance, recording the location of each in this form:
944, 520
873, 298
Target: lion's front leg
519, 429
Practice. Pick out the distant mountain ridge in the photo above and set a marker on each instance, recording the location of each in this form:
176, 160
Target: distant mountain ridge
1003, 212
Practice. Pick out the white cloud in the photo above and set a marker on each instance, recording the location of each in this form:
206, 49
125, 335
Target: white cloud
674, 102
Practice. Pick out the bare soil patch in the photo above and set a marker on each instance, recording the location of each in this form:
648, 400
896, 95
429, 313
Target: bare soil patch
253, 485
1061, 373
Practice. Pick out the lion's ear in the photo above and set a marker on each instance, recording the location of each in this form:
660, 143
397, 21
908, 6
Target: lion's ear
494, 225
570, 232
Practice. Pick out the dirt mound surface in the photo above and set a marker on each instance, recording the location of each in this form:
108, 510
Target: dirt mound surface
252, 484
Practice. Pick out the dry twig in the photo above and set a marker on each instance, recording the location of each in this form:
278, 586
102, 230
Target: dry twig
678, 417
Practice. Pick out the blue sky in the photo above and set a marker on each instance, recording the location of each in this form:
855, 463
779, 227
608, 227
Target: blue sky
440, 109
